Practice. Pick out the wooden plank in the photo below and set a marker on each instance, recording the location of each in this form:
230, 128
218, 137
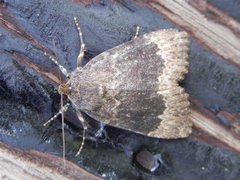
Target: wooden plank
202, 120
214, 130
20, 164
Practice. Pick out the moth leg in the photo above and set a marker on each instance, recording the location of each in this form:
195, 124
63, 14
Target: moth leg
101, 131
83, 46
84, 124
137, 32
62, 110
103, 135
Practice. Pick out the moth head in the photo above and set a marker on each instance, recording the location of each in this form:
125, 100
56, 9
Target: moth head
64, 88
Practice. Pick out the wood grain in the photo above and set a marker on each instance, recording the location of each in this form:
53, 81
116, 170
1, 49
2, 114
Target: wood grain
20, 164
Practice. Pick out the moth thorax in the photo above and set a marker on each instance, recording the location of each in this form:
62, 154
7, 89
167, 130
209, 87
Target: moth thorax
64, 89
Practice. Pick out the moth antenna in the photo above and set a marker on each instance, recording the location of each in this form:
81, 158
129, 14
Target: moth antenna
63, 133
83, 46
62, 69
63, 108
137, 32
80, 117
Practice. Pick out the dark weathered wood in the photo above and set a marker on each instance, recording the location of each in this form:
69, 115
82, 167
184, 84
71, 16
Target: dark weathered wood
8, 22
220, 35
20, 164
50, 74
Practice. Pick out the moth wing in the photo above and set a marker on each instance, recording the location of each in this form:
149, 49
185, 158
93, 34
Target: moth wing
139, 86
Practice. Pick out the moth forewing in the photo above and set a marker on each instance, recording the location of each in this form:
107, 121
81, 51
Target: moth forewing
134, 86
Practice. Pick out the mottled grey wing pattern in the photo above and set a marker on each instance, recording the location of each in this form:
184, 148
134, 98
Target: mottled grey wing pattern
135, 86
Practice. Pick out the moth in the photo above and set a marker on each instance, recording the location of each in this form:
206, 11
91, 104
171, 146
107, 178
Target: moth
135, 86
